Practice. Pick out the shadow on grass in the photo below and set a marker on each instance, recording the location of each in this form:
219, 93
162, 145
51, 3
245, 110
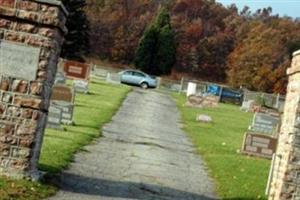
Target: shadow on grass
120, 189
85, 126
86, 106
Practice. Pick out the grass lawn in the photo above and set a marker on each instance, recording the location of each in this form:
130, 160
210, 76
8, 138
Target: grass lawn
237, 176
91, 112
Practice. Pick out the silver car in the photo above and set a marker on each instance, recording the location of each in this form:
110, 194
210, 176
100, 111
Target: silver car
138, 78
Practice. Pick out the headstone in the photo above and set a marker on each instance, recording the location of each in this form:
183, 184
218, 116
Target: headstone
211, 101
81, 86
31, 37
67, 111
194, 101
264, 123
76, 70
63, 93
259, 145
60, 78
192, 89
54, 117
204, 119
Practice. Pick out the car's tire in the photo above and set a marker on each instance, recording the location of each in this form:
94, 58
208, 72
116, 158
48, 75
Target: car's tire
144, 85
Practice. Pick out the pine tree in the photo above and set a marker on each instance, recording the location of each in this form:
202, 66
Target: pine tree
166, 51
76, 44
156, 53
162, 19
145, 54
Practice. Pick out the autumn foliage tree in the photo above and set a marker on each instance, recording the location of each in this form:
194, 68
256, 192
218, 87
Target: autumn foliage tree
213, 42
263, 53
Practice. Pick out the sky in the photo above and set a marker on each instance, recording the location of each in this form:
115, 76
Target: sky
282, 7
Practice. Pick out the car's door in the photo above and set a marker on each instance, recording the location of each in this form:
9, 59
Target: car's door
126, 77
137, 78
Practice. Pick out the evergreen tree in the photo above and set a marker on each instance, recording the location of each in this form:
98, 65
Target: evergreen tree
156, 53
163, 19
145, 54
166, 51
76, 44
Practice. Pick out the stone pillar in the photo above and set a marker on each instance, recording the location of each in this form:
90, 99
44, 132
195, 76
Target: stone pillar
31, 35
285, 182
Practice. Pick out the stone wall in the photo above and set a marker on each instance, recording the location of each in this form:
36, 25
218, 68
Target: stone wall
31, 35
286, 172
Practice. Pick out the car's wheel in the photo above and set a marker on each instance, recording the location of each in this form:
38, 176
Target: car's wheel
144, 85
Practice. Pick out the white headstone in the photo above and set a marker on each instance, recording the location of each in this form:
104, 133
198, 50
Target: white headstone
192, 89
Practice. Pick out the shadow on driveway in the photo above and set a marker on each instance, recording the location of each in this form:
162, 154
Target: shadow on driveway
128, 190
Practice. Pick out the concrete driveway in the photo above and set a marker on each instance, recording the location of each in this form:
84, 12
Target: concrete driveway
142, 155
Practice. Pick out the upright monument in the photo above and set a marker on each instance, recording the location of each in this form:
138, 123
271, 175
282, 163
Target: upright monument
31, 35
285, 182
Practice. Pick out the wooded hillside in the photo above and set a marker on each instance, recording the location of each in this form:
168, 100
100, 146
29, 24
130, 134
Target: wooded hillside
214, 43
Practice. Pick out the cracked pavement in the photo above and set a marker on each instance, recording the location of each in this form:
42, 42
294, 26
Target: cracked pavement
143, 155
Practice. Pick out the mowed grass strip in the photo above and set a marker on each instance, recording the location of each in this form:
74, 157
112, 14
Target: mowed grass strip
91, 112
237, 176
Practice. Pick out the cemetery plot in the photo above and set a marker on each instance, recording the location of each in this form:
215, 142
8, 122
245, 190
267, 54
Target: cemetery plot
259, 145
76, 70
264, 123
